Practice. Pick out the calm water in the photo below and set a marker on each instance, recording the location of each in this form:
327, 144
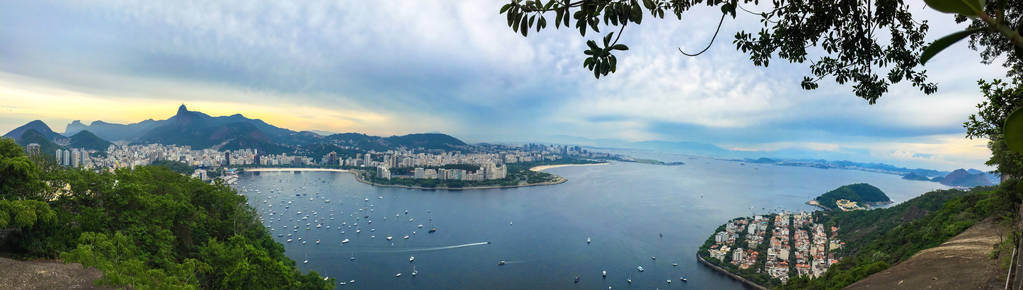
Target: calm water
540, 231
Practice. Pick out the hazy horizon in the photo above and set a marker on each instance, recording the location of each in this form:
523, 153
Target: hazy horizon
454, 67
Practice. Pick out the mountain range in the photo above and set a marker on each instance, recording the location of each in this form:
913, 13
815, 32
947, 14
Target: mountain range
201, 131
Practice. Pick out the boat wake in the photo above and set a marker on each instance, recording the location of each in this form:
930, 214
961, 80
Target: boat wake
429, 249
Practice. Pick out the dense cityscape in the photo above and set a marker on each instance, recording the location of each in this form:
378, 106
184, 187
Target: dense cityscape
797, 246
490, 164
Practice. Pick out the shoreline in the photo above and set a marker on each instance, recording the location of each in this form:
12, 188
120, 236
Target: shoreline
545, 167
273, 169
745, 281
813, 202
358, 177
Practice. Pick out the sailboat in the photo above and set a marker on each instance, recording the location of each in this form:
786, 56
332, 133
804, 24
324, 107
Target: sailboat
306, 259
414, 272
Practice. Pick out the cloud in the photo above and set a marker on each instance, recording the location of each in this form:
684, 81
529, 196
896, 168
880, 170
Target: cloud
393, 67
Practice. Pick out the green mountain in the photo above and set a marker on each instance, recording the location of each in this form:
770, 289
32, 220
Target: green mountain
202, 131
861, 193
426, 141
111, 131
40, 128
46, 147
878, 238
87, 140
963, 178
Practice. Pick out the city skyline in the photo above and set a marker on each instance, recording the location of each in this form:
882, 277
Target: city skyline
454, 68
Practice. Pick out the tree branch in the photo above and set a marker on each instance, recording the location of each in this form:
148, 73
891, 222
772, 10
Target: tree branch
711, 39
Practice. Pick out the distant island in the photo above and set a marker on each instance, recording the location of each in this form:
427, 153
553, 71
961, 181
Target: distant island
959, 178
851, 197
652, 161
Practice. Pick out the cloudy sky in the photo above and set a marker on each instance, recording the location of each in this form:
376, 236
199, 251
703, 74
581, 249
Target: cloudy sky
396, 67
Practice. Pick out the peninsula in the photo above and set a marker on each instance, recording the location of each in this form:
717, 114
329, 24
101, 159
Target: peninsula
851, 197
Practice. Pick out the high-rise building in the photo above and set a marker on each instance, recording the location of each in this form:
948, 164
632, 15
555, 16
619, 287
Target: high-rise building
60, 156
227, 158
75, 158
33, 149
383, 172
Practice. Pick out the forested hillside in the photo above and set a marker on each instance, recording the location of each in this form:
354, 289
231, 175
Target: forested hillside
144, 228
876, 239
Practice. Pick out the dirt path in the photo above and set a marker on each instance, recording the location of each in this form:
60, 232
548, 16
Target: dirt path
962, 262
16, 274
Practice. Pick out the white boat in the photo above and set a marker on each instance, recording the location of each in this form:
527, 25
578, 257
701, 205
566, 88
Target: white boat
397, 275
345, 241
419, 226
405, 237
414, 272
289, 240
317, 242
500, 263
653, 258
587, 240
411, 258
603, 273
639, 268
389, 238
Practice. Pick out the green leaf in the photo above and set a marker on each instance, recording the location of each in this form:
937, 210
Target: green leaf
636, 13
607, 39
620, 47
593, 45
964, 7
505, 8
1013, 131
557, 19
524, 25
614, 63
944, 42
649, 4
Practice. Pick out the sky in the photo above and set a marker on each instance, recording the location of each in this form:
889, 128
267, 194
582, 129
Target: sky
395, 67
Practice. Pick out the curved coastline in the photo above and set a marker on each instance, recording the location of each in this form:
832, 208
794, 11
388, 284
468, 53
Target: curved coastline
358, 177
730, 274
